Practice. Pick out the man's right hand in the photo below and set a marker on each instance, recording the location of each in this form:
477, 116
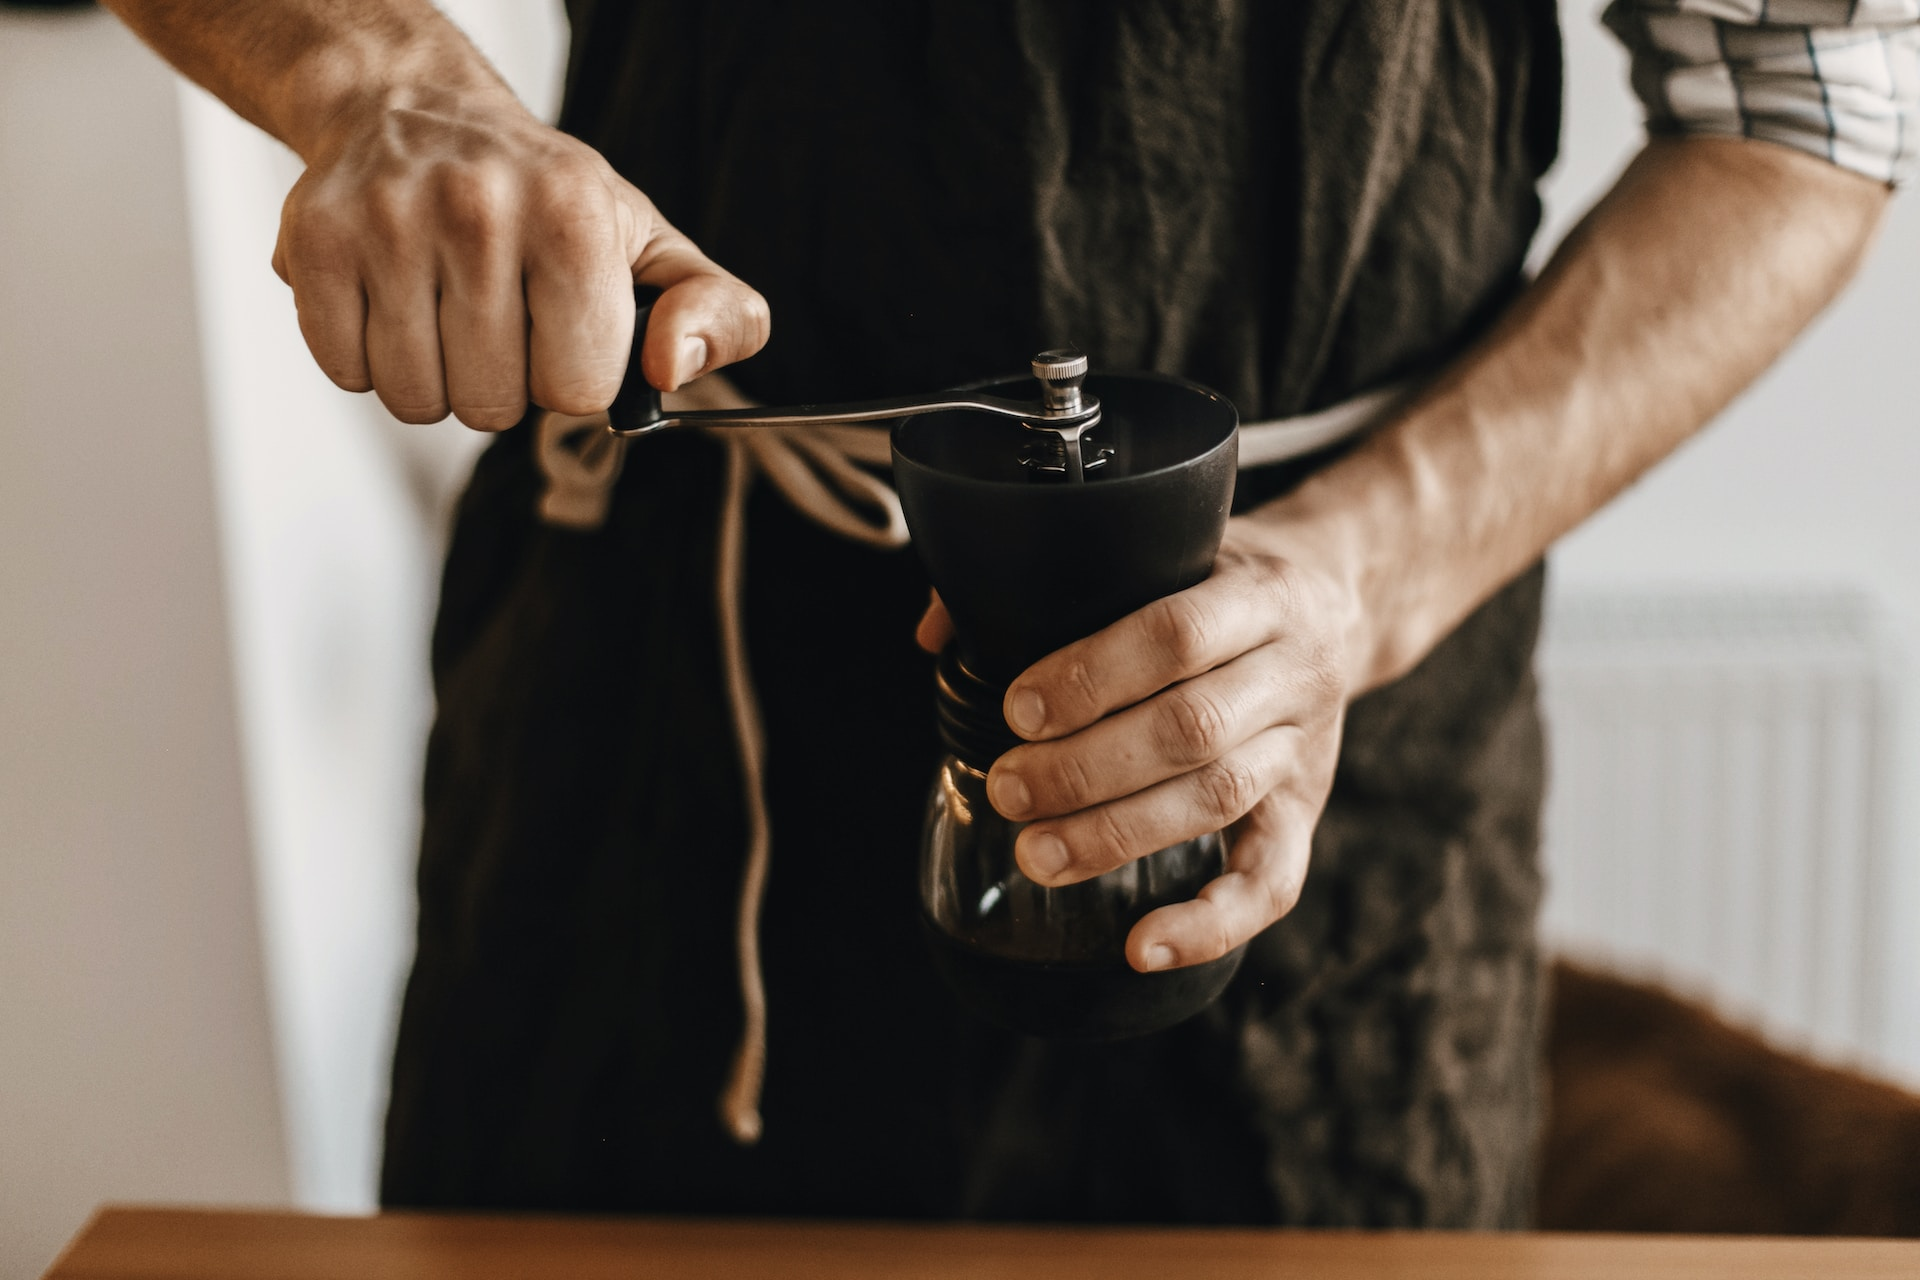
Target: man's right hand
451, 253
445, 248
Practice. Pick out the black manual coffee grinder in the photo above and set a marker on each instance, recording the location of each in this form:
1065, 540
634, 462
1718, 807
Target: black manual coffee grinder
1043, 511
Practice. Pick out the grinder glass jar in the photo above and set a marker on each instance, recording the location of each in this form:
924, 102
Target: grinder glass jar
1028, 558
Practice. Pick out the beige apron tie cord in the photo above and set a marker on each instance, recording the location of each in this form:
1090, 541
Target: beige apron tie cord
813, 467
740, 1103
816, 469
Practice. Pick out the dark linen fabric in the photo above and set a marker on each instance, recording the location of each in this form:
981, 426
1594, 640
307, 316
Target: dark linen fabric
1291, 203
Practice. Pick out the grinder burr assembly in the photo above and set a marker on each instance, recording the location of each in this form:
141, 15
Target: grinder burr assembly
1043, 510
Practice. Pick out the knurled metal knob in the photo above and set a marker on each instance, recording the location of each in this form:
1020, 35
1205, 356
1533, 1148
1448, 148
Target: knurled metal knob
1064, 362
1061, 371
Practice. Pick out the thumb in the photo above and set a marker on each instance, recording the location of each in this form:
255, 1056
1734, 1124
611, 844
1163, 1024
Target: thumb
706, 317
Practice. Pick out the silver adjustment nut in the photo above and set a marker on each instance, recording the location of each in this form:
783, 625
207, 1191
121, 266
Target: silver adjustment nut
1061, 371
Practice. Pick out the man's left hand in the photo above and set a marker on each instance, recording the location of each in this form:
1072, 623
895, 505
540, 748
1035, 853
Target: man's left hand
1216, 708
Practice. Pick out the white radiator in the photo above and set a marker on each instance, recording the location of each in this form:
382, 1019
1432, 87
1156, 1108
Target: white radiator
1717, 814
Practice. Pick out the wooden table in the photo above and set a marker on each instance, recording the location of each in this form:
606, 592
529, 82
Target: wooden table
177, 1244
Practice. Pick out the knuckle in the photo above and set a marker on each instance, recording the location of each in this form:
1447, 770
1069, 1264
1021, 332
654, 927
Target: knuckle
1183, 630
1211, 933
389, 215
1229, 787
1111, 841
756, 322
1072, 783
758, 311
1325, 685
492, 417
416, 411
347, 377
569, 206
1197, 725
1081, 687
1278, 592
577, 391
564, 186
1282, 894
320, 242
473, 202
1220, 939
1317, 672
336, 349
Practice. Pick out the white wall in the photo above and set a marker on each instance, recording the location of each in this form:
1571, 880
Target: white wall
134, 1055
329, 572
188, 511
331, 516
1808, 480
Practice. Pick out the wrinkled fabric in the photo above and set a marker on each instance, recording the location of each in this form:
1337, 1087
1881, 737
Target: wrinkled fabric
1289, 203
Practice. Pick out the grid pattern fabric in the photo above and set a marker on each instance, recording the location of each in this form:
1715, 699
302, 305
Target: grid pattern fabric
1837, 78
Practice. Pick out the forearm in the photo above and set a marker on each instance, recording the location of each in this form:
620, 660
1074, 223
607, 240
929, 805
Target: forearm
293, 67
1687, 280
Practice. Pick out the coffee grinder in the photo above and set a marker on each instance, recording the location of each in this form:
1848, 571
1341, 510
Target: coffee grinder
1043, 509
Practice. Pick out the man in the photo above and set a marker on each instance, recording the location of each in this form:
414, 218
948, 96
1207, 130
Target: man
1294, 204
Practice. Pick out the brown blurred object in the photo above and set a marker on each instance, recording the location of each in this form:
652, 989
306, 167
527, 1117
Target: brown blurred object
1663, 1117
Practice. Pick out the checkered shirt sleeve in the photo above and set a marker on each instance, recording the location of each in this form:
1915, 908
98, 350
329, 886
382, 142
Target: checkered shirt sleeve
1838, 78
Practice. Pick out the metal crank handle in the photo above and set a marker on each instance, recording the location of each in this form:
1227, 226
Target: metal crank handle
636, 410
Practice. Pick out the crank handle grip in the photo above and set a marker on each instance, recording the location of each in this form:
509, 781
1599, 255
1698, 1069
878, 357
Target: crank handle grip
636, 410
636, 406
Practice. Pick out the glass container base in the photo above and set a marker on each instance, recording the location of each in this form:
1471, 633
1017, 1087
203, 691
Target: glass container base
1063, 1000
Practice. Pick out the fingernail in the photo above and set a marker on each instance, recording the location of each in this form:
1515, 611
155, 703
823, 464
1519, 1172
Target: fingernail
693, 358
1026, 712
1046, 855
1160, 956
1009, 794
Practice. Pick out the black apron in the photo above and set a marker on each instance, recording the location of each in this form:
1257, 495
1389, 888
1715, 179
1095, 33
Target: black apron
1291, 203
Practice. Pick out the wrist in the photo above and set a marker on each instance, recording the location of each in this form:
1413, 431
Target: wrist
338, 87
1325, 551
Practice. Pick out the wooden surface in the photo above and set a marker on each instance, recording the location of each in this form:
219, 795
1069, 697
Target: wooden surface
173, 1244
